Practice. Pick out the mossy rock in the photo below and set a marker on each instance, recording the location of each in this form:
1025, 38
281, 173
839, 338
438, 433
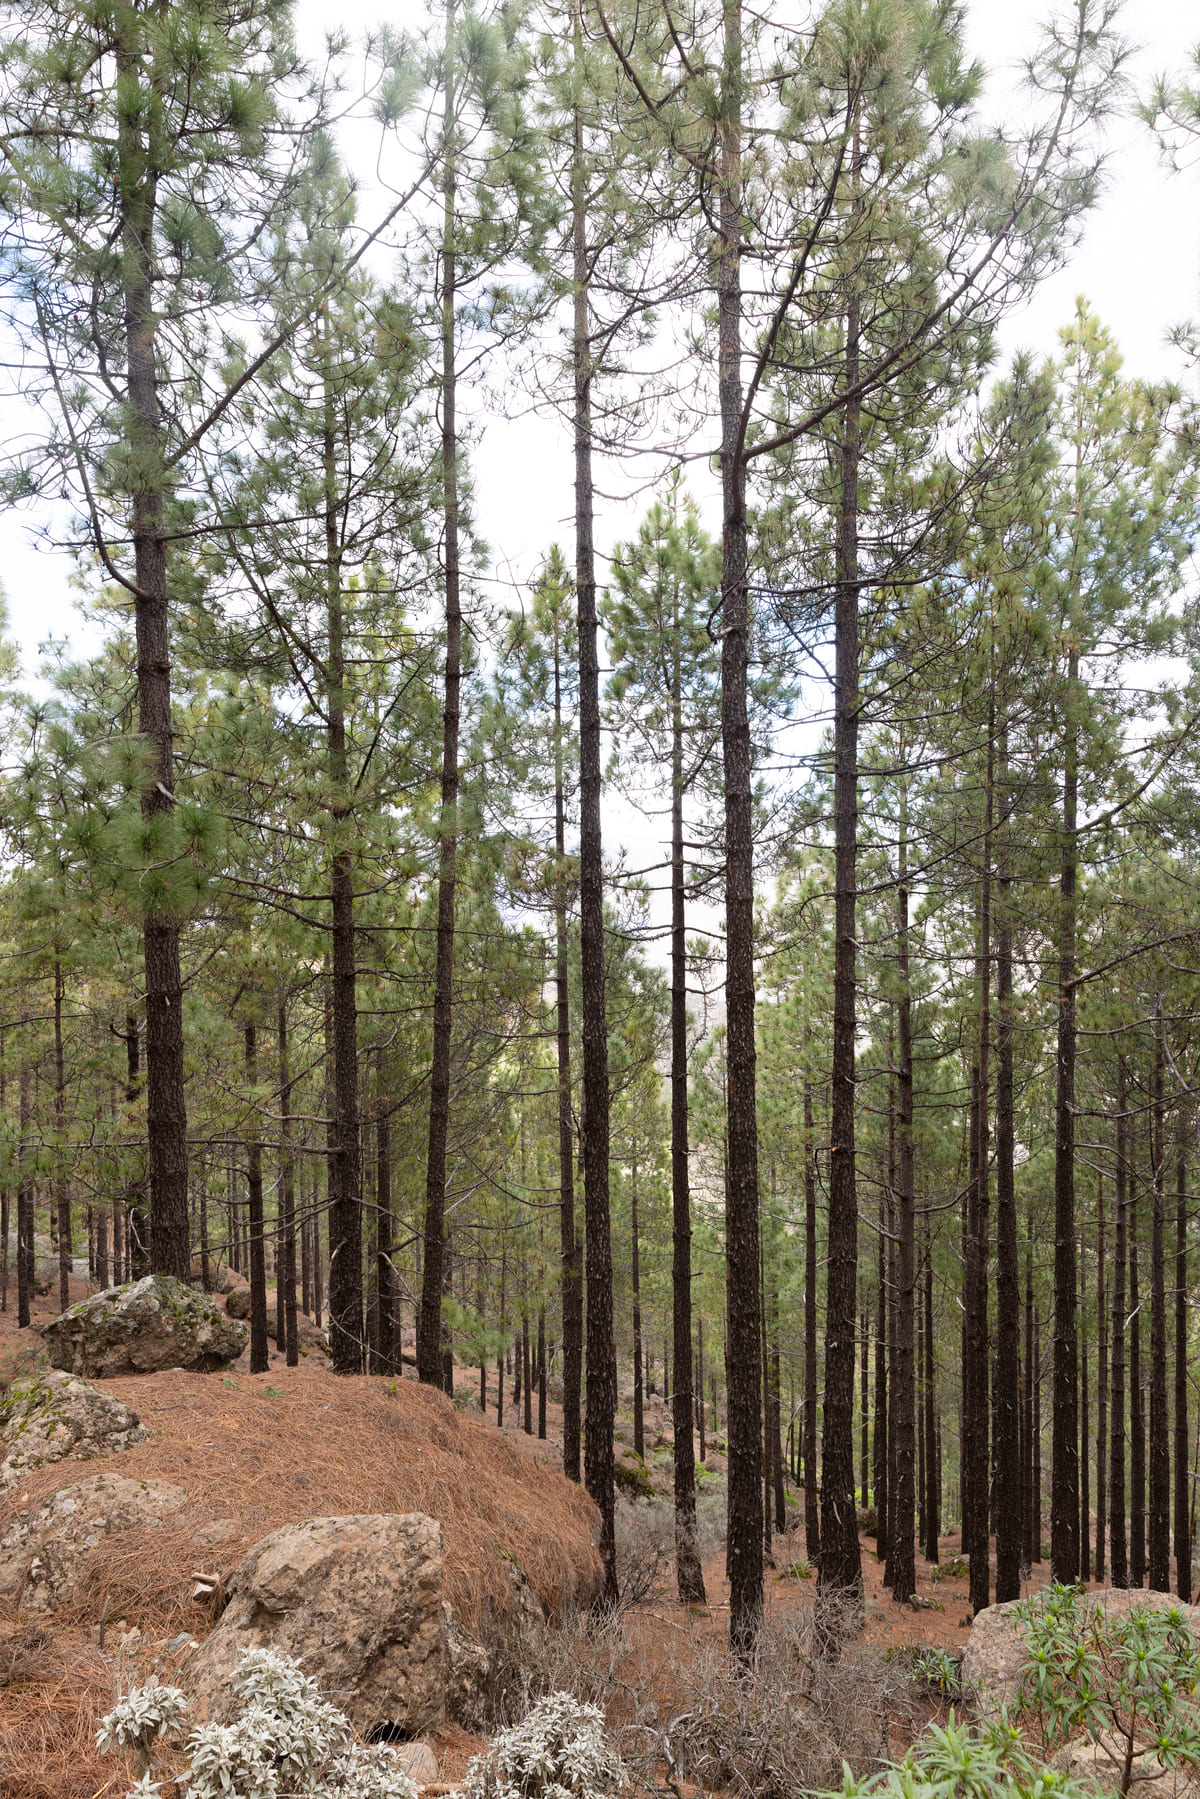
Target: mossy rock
633, 1479
152, 1324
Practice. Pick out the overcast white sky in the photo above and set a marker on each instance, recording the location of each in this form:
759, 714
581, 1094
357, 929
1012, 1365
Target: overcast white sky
1139, 264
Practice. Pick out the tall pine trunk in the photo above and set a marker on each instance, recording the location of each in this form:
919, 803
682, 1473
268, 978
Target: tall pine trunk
841, 1565
688, 1571
1160, 1459
571, 1271
384, 1356
345, 1210
904, 1397
1009, 1495
287, 1329
24, 1208
1183, 1535
1101, 1385
136, 196
1064, 1492
260, 1359
933, 1468
601, 1352
812, 1509
976, 1458
429, 1336
741, 1184
1116, 1481
61, 1181
1137, 1421
639, 1422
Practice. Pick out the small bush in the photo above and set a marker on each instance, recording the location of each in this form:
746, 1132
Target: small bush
790, 1722
559, 1750
937, 1675
632, 1479
286, 1741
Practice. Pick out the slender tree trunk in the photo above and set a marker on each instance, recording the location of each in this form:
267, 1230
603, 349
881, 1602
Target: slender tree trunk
841, 1566
5, 1200
1160, 1458
62, 1184
1137, 1425
429, 1335
541, 1373
904, 1394
1183, 1535
1030, 1547
138, 1220
385, 1279
345, 1208
601, 1351
976, 1395
1085, 1547
639, 1431
136, 197
864, 1408
102, 1266
24, 1209
287, 1327
933, 1469
260, 1359
812, 1512
1101, 1386
688, 1569
1035, 1484
741, 1207
572, 1272
1116, 1485
700, 1385
882, 1434
1009, 1495
526, 1376
777, 1462
1064, 1501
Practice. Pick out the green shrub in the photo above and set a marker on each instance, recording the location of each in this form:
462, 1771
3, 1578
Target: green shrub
1127, 1679
956, 1762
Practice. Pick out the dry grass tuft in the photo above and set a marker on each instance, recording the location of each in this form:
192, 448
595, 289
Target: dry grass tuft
257, 1452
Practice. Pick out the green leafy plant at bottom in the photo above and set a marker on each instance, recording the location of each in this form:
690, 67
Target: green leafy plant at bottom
1126, 1679
956, 1761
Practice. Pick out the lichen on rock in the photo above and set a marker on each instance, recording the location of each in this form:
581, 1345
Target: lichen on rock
155, 1323
45, 1553
55, 1416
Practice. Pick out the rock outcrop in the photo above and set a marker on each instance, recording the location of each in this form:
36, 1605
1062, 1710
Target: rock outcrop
358, 1600
45, 1553
221, 1277
153, 1324
996, 1650
310, 1338
55, 1416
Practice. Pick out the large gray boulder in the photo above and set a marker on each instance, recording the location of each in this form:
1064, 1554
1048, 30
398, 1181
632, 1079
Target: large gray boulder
358, 1601
45, 1552
155, 1323
996, 1648
54, 1416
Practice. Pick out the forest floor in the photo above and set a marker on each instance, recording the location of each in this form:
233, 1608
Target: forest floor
254, 1452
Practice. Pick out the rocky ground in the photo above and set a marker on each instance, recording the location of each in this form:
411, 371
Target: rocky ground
141, 1514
